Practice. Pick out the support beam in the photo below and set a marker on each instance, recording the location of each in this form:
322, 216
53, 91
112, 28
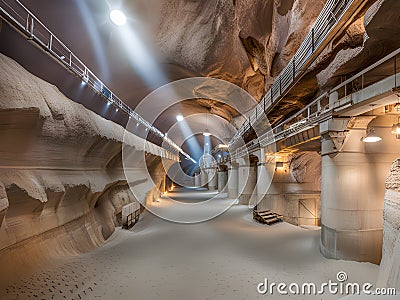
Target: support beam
233, 180
222, 178
247, 180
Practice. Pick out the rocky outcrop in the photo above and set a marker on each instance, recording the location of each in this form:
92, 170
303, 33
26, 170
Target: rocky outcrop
250, 42
62, 184
244, 42
389, 274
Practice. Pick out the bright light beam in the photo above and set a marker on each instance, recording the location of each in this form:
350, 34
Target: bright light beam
140, 58
193, 145
94, 38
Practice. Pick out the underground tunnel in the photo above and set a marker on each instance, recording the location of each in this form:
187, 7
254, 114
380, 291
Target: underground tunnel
215, 149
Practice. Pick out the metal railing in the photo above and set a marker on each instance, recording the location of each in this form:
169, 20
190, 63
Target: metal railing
22, 19
329, 17
325, 106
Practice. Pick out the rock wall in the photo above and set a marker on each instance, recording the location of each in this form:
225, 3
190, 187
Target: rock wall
243, 41
389, 275
250, 42
62, 184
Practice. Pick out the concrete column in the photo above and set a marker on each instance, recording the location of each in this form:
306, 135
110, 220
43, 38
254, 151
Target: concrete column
247, 181
197, 180
352, 193
222, 179
203, 178
212, 179
265, 173
233, 181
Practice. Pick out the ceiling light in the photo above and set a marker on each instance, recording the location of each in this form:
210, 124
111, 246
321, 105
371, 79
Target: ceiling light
118, 17
206, 133
222, 146
371, 137
179, 118
396, 129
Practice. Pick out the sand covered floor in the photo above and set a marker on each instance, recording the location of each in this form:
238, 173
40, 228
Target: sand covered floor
224, 258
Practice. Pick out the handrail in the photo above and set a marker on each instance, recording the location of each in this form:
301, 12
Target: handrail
329, 17
29, 25
371, 67
318, 110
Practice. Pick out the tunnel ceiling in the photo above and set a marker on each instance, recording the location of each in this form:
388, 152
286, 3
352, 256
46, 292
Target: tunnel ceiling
246, 42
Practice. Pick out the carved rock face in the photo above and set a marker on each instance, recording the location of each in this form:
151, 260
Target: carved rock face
390, 266
245, 42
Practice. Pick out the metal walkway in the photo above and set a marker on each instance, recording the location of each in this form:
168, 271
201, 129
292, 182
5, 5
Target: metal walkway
372, 86
335, 16
26, 23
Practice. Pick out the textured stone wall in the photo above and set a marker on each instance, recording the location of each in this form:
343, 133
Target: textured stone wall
389, 275
62, 182
246, 42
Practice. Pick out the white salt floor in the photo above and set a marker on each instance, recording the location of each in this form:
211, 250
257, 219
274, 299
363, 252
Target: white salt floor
224, 258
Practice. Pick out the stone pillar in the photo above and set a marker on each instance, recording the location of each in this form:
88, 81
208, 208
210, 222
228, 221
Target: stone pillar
197, 180
264, 178
222, 178
247, 181
212, 179
352, 189
233, 181
203, 178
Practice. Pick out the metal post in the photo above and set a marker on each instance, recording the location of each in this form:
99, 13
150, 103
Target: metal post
362, 81
32, 26
50, 41
27, 23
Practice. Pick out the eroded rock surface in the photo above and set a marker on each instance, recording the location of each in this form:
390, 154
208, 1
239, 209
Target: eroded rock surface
245, 42
62, 184
389, 274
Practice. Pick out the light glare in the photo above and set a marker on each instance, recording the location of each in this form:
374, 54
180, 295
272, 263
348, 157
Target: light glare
179, 118
118, 17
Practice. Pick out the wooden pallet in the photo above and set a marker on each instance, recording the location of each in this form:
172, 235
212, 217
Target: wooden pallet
267, 217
